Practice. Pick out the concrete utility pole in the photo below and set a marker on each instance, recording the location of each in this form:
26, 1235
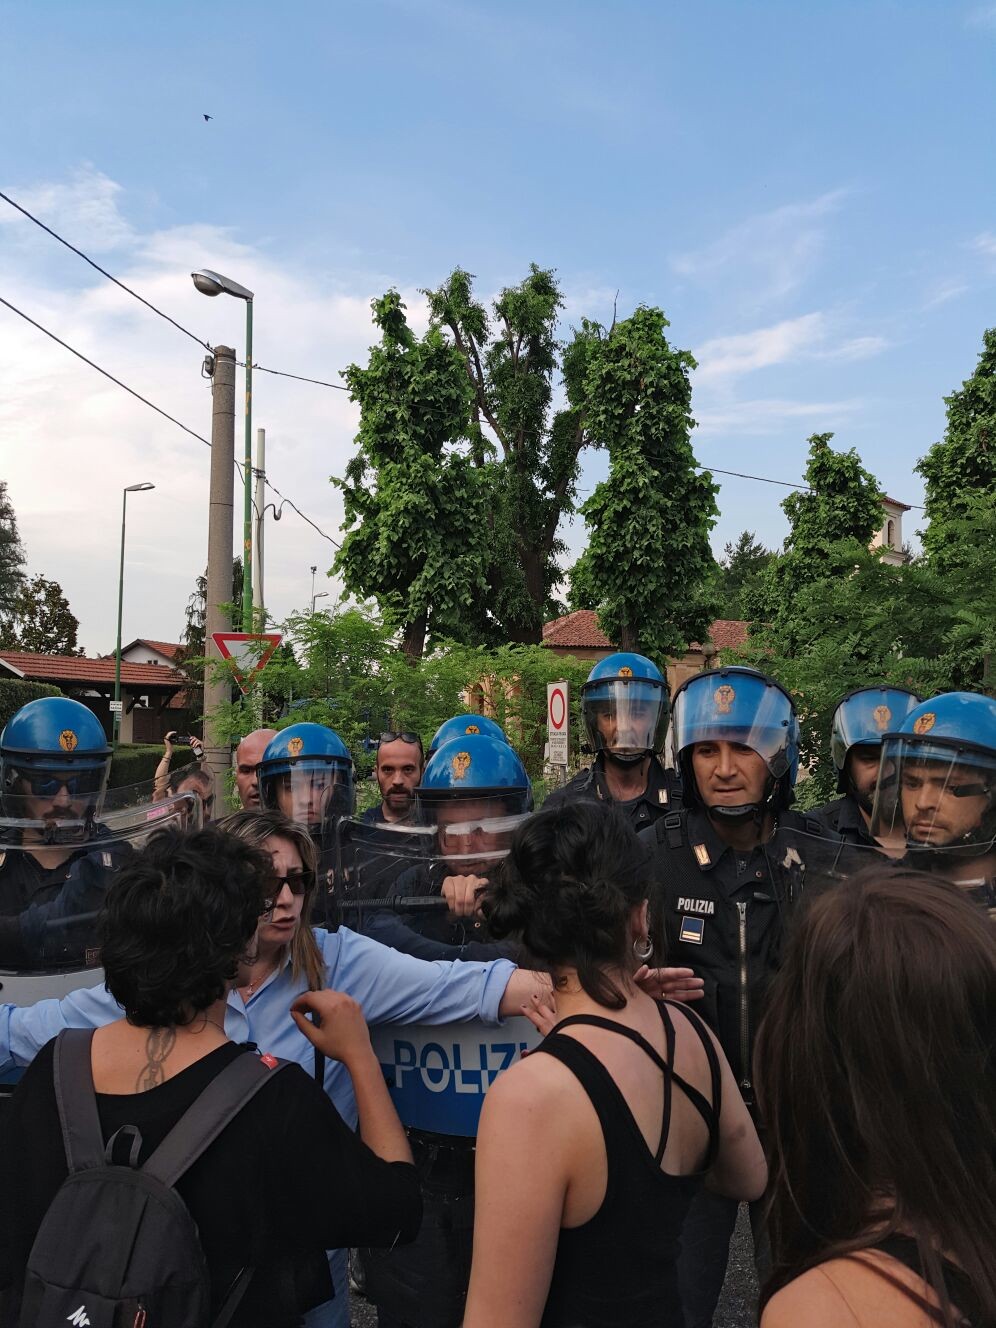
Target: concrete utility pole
219, 569
257, 566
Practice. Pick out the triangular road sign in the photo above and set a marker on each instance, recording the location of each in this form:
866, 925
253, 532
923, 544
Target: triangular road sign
248, 652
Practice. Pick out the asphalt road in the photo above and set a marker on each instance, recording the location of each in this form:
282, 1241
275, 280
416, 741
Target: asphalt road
737, 1307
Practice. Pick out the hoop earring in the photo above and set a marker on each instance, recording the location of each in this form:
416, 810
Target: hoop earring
643, 948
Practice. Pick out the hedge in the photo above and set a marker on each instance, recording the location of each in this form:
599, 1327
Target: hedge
135, 763
15, 692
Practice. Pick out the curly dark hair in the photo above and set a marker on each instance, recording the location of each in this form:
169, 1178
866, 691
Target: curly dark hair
178, 919
571, 880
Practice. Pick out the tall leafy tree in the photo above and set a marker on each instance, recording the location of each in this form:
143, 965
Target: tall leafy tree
510, 360
963, 465
11, 558
414, 494
648, 564
740, 571
42, 620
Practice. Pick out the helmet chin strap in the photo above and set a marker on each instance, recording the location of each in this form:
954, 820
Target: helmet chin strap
625, 758
745, 811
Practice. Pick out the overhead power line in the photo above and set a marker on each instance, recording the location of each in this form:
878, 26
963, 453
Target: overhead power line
158, 409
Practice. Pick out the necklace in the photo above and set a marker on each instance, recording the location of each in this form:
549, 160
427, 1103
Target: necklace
257, 982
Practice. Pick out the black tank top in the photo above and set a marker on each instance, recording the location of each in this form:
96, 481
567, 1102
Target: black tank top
960, 1291
619, 1268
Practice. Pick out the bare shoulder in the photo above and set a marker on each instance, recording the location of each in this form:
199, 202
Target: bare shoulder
536, 1082
843, 1293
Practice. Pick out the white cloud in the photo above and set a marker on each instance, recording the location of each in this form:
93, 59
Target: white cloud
985, 244
84, 209
73, 440
808, 337
767, 415
943, 291
775, 250
983, 16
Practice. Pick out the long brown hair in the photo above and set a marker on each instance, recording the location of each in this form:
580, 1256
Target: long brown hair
256, 828
875, 1076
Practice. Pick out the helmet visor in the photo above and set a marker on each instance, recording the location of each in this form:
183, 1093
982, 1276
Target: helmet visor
935, 797
748, 712
313, 794
862, 720
625, 716
473, 833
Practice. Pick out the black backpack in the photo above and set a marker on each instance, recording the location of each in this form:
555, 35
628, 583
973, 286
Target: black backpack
118, 1247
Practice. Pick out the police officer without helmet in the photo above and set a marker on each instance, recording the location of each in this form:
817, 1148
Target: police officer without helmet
936, 797
859, 722
248, 755
625, 709
398, 770
729, 868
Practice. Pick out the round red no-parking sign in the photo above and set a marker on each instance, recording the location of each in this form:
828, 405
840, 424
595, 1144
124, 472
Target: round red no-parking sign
558, 708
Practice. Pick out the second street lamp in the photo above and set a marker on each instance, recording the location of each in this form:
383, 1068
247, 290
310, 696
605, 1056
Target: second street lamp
131, 488
213, 283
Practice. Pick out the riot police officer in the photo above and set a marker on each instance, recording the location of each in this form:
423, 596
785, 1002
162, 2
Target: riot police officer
462, 726
936, 796
54, 764
729, 869
859, 721
625, 708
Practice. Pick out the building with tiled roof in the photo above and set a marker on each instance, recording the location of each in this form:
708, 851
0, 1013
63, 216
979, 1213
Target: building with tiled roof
579, 634
144, 651
146, 689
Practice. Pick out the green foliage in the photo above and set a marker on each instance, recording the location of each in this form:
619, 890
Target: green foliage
352, 677
41, 620
16, 692
11, 559
648, 562
963, 466
740, 575
417, 502
135, 763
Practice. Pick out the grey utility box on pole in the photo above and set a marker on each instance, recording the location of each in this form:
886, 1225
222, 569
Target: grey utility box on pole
219, 568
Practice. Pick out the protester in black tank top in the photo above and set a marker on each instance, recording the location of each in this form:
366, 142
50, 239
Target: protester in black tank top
878, 1095
590, 1151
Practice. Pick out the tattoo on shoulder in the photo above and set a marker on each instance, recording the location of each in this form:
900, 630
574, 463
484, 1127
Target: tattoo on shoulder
158, 1046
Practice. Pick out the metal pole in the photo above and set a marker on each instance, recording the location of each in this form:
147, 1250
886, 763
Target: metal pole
247, 623
116, 721
257, 567
221, 521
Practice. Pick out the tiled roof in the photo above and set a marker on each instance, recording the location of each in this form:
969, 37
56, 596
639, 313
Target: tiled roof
580, 630
168, 648
896, 503
74, 669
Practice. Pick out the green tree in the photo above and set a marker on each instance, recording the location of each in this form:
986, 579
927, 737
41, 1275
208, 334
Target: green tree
510, 359
648, 564
11, 561
42, 620
413, 495
740, 573
964, 464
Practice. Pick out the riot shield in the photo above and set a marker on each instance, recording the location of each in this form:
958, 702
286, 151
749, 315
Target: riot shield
55, 870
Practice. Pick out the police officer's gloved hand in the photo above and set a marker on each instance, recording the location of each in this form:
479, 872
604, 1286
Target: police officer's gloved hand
462, 893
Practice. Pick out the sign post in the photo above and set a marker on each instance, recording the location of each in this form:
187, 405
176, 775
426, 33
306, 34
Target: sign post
247, 652
558, 723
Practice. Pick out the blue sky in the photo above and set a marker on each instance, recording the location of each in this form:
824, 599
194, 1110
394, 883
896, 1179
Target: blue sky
806, 190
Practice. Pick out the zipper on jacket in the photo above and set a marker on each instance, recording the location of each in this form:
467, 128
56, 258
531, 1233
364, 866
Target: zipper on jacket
745, 1068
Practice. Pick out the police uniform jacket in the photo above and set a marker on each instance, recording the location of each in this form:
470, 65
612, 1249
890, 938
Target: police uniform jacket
843, 817
662, 794
725, 913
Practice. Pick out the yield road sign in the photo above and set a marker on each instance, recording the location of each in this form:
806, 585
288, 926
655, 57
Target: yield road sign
247, 652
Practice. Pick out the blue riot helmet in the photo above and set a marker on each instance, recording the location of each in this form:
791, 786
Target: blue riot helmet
463, 726
307, 773
742, 706
937, 780
54, 750
475, 792
624, 704
861, 719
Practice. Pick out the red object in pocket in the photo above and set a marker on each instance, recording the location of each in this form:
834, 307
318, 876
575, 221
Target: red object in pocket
270, 1062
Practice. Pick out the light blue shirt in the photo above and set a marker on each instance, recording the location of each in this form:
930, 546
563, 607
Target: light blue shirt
391, 988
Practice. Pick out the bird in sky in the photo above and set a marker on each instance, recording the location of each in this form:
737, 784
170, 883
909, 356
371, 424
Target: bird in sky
206, 116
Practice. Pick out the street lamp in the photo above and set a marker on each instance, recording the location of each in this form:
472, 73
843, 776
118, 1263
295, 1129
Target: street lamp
132, 488
322, 594
213, 283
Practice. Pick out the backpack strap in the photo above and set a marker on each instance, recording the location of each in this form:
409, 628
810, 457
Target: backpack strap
207, 1116
82, 1137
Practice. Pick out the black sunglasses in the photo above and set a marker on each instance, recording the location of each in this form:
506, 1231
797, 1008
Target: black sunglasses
48, 785
402, 735
297, 882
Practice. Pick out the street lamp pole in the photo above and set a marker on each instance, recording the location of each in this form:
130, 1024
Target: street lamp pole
132, 488
213, 283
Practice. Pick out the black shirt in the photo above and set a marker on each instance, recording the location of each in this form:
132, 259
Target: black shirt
843, 817
287, 1177
661, 796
